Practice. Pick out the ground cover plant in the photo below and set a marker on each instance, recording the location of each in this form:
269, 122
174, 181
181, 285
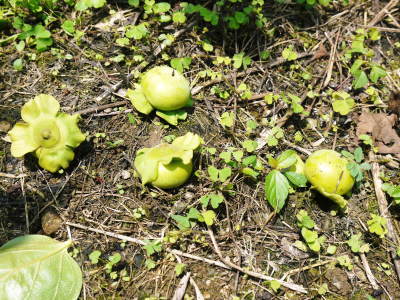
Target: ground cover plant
261, 88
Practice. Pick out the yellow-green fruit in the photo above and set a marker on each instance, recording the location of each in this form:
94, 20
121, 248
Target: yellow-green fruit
172, 175
165, 88
326, 169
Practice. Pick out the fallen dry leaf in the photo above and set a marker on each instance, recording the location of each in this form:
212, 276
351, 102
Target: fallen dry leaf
380, 126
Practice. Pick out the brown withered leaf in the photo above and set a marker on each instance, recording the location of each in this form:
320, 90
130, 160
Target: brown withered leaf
380, 126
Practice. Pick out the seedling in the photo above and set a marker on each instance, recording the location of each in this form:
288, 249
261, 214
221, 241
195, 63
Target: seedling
168, 165
51, 135
378, 225
283, 176
310, 236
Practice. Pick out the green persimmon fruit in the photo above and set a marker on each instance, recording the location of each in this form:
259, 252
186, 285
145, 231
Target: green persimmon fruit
173, 174
327, 170
165, 88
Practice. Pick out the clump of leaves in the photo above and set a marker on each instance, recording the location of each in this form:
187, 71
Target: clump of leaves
356, 166
283, 178
342, 102
357, 245
306, 224
51, 135
206, 216
393, 191
377, 225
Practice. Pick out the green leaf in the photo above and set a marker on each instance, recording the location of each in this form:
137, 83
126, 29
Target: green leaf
139, 101
137, 32
357, 245
376, 73
161, 7
213, 173
152, 247
179, 269
309, 236
286, 159
238, 155
225, 173
209, 217
274, 285
179, 17
289, 54
299, 180
42, 44
180, 64
134, 3
18, 64
276, 189
303, 220
193, 214
358, 155
183, 222
360, 81
343, 106
226, 156
355, 68
207, 47
227, 119
173, 116
331, 249
38, 267
150, 264
238, 60
68, 26
377, 225
250, 145
94, 256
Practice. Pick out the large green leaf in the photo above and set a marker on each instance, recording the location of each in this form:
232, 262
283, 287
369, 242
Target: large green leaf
37, 267
276, 189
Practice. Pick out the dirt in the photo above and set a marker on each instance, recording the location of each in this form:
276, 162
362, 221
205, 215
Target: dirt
94, 193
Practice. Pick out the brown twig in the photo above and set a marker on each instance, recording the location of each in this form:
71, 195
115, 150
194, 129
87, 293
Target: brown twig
368, 272
222, 264
384, 211
289, 285
382, 14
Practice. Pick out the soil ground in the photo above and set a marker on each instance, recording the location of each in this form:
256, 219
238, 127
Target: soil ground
99, 190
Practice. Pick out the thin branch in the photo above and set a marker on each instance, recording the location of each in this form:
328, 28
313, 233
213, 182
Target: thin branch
289, 285
382, 14
223, 264
384, 211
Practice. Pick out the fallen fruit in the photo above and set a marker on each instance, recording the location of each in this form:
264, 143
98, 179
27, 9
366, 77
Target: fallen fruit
165, 88
51, 135
168, 165
327, 171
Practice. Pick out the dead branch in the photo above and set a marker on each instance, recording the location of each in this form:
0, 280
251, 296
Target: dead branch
384, 211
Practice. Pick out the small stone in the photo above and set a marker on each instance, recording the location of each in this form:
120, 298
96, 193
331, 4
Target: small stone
125, 174
188, 196
51, 222
4, 126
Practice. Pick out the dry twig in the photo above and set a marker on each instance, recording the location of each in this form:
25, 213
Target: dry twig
384, 211
289, 285
382, 14
223, 264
